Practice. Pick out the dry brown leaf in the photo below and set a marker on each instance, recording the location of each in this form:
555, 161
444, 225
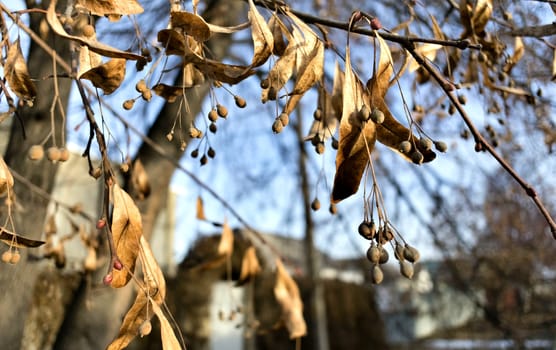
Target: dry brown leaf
200, 209
192, 24
276, 27
263, 40
327, 125
110, 7
18, 241
337, 87
108, 76
87, 60
6, 178
93, 45
167, 335
356, 139
126, 229
153, 292
168, 92
17, 74
281, 72
175, 43
226, 73
287, 294
140, 180
226, 244
475, 17
250, 266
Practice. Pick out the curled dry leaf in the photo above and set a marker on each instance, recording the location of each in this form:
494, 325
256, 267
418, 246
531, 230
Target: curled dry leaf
18, 241
328, 123
281, 72
287, 294
250, 266
17, 74
87, 60
356, 139
263, 40
108, 76
226, 73
6, 178
167, 335
152, 293
226, 245
93, 45
277, 28
110, 7
168, 92
127, 230
192, 24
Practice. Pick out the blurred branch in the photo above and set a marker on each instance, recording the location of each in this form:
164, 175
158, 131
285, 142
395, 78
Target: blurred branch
534, 31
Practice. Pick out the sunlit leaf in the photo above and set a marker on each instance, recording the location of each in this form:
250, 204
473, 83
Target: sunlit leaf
152, 293
226, 244
108, 76
110, 7
200, 211
93, 45
87, 60
263, 40
126, 230
167, 335
519, 50
287, 294
250, 266
17, 74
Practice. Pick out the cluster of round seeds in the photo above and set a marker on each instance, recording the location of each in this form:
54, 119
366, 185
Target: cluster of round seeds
11, 257
142, 88
280, 122
54, 154
378, 255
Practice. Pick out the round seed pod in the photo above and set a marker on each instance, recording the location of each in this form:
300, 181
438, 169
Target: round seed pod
398, 252
53, 154
147, 95
195, 153
364, 113
213, 115
315, 140
204, 160
406, 269
335, 143
333, 209
384, 256
124, 168
417, 157
364, 230
440, 146
462, 99
145, 328
96, 172
183, 144
375, 24
107, 280
141, 86
315, 204
128, 104
284, 118
405, 147
222, 111
411, 254
277, 126
451, 110
36, 152
272, 93
88, 30
145, 51
213, 128
377, 275
195, 133
170, 136
373, 254
317, 114
425, 143
7, 256
377, 116
15, 258
211, 152
118, 265
240, 101
64, 154
319, 148
265, 83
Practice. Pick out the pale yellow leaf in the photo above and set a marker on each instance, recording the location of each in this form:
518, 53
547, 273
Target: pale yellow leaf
287, 294
93, 45
127, 230
250, 266
200, 214
280, 73
519, 50
226, 244
428, 51
87, 60
167, 335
